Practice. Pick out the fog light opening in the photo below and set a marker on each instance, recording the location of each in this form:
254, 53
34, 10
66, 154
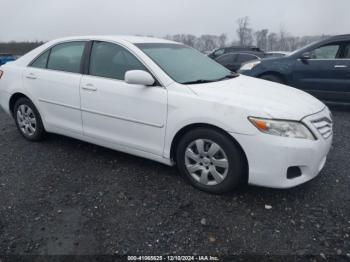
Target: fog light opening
294, 172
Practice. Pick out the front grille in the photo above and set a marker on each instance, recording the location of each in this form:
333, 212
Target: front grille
324, 126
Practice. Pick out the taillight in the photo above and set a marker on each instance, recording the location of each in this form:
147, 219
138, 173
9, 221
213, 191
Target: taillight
1, 73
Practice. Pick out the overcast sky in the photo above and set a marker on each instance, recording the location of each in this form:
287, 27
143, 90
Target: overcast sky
48, 19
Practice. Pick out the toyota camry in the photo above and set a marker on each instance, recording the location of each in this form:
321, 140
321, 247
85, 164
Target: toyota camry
167, 102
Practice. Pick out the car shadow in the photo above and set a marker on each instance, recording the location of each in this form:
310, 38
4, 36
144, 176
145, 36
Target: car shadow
91, 152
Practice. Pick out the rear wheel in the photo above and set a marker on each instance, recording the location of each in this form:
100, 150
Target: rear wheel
28, 120
273, 78
210, 160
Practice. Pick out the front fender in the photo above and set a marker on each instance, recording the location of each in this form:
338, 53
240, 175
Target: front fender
188, 110
280, 67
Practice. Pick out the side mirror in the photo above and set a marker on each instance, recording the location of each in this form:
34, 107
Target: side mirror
139, 77
306, 56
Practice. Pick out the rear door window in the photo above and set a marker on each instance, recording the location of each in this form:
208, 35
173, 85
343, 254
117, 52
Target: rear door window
346, 53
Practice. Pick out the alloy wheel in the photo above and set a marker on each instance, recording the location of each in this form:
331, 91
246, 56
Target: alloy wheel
206, 162
26, 120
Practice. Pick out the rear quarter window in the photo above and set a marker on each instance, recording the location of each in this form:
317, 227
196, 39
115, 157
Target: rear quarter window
41, 61
66, 57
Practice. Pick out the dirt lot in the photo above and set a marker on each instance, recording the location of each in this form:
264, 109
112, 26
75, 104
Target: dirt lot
63, 196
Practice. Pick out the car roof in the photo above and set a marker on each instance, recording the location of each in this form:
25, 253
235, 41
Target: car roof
244, 52
277, 52
256, 54
117, 38
245, 47
340, 37
325, 41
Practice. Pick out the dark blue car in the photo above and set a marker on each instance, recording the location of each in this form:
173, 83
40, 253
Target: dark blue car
4, 58
321, 69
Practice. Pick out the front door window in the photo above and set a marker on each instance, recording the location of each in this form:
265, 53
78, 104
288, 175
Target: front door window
326, 52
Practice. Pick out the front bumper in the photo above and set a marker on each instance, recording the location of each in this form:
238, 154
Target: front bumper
269, 157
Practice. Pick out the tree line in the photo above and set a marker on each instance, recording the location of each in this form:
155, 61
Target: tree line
18, 48
246, 36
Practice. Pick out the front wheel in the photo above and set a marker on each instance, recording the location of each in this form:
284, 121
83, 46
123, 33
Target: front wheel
28, 120
210, 160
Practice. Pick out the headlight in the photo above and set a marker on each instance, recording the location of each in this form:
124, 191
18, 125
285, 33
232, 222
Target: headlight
249, 65
283, 128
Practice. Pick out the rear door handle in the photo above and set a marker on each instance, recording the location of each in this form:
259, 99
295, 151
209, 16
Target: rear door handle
31, 76
340, 66
89, 87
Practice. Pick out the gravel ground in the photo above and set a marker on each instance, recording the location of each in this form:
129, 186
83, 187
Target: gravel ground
63, 196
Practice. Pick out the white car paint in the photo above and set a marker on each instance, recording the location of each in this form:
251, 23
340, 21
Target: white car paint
144, 120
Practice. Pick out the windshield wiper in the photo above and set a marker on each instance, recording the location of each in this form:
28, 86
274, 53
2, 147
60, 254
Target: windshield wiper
230, 76
199, 81
204, 81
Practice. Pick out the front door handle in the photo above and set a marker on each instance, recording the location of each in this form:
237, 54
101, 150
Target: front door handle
89, 87
340, 66
31, 76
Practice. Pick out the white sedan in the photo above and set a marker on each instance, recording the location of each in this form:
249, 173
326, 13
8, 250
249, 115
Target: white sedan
167, 102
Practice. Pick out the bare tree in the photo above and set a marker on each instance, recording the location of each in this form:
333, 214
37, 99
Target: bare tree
283, 45
208, 42
222, 40
190, 40
292, 43
272, 41
245, 34
261, 38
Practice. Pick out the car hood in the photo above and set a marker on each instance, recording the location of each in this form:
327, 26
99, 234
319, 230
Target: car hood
261, 98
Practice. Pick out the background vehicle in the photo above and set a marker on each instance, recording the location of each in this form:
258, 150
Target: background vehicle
276, 54
322, 69
234, 61
207, 52
233, 49
4, 58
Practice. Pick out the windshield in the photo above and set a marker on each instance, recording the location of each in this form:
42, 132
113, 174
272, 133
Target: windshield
184, 64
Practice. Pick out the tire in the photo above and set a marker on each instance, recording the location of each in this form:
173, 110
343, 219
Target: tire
28, 120
201, 172
273, 78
